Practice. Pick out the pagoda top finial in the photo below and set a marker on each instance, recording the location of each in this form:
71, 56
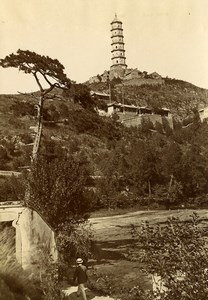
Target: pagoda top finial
116, 19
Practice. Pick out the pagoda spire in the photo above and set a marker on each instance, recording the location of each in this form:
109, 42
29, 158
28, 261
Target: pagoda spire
117, 42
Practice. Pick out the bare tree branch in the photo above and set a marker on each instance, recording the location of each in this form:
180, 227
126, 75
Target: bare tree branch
28, 94
38, 82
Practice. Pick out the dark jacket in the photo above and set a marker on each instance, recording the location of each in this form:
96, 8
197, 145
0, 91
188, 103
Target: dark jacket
80, 274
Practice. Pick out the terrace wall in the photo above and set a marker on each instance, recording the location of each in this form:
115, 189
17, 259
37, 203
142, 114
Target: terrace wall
141, 81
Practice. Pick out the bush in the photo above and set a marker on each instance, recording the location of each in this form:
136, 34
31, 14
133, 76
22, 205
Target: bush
89, 122
51, 113
101, 283
107, 284
12, 189
175, 252
21, 109
60, 184
26, 138
74, 240
17, 123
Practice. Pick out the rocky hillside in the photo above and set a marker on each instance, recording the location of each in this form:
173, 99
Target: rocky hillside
114, 153
70, 121
66, 124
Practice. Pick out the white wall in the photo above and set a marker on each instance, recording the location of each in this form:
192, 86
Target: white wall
32, 233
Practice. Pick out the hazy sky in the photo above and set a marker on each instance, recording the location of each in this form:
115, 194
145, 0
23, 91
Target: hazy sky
167, 36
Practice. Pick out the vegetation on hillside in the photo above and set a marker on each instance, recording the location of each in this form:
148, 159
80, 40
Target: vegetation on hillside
179, 96
136, 166
147, 166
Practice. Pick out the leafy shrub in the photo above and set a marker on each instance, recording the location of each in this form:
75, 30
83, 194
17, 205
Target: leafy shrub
51, 113
74, 240
177, 254
3, 152
21, 109
100, 282
17, 123
89, 122
26, 138
80, 93
135, 293
52, 186
107, 284
63, 110
11, 188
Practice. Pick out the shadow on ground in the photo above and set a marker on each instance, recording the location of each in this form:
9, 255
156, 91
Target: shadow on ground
111, 250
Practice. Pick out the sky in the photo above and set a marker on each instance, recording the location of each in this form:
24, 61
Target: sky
166, 36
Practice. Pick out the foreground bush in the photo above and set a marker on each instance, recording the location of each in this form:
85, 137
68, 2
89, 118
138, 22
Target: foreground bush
176, 254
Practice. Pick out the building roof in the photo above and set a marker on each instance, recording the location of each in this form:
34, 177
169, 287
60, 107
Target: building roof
129, 106
165, 108
99, 94
154, 73
134, 106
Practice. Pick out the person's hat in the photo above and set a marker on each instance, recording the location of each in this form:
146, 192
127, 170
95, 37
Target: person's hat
79, 260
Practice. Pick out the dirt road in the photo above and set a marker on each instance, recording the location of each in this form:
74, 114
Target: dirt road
118, 227
71, 294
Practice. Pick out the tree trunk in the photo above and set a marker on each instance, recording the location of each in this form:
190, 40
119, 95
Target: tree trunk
169, 189
150, 193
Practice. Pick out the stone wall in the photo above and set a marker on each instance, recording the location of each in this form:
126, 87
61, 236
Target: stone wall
116, 72
141, 81
136, 120
94, 79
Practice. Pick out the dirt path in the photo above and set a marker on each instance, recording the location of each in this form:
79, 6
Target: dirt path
112, 236
118, 227
70, 292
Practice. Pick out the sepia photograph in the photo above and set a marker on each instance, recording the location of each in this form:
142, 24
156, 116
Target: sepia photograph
103, 150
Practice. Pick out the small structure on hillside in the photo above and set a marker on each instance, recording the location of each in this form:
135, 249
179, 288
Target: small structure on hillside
154, 75
133, 73
132, 115
100, 96
203, 114
131, 110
